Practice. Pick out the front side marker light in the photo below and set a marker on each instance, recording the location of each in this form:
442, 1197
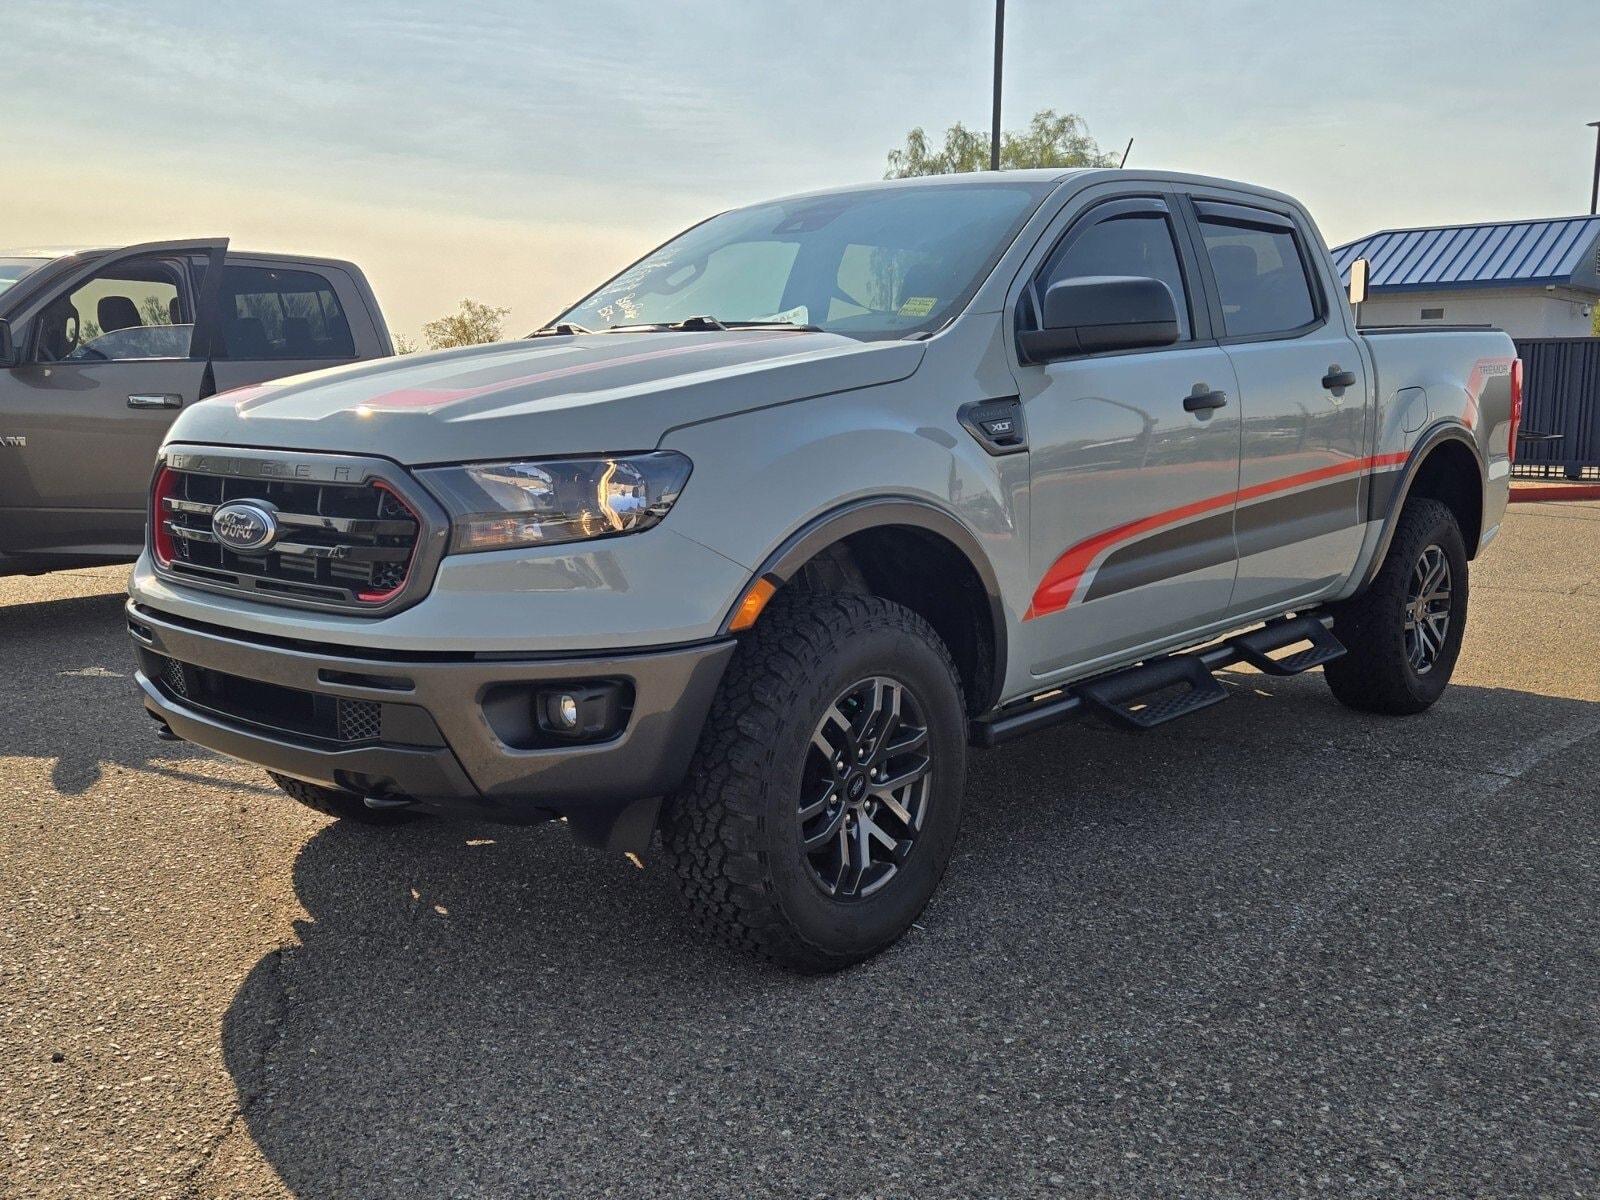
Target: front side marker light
755, 600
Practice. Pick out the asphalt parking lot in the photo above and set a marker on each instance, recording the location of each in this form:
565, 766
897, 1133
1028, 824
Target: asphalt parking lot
1278, 949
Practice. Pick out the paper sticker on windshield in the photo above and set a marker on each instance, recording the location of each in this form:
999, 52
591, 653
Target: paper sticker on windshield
799, 315
918, 306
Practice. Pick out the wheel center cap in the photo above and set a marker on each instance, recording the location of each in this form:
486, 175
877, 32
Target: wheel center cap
856, 788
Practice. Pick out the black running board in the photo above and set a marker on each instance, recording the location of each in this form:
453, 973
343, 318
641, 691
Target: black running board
1142, 697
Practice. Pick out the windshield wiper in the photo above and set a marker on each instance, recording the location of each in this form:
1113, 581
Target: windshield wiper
563, 329
706, 324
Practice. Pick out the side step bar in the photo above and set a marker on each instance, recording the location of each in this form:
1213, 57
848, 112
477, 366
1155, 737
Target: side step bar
1142, 697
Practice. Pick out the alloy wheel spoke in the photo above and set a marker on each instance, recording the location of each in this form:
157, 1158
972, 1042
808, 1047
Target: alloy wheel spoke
887, 787
826, 831
874, 830
901, 812
860, 857
911, 737
829, 795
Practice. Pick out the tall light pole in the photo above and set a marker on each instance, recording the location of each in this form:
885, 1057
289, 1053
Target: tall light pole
1594, 194
999, 54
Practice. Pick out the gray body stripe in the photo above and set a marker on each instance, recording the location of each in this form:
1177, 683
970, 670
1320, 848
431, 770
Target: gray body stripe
1267, 524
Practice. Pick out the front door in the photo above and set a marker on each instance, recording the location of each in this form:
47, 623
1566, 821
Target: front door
109, 360
1134, 460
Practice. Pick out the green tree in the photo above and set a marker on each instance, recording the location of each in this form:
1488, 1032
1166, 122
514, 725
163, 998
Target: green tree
474, 324
1051, 139
404, 344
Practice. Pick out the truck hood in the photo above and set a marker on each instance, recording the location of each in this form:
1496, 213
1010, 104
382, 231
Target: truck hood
540, 397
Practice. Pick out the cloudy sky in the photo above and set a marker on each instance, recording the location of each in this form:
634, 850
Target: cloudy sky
517, 152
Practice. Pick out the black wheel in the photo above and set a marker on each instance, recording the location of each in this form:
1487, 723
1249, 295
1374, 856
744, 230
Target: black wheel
347, 806
1404, 632
821, 808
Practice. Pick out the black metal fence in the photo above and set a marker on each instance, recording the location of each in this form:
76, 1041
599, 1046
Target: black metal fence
1560, 409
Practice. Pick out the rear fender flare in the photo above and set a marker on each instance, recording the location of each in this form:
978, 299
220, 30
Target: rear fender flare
1388, 494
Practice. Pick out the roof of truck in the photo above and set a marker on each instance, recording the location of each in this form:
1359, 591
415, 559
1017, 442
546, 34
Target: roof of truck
1555, 251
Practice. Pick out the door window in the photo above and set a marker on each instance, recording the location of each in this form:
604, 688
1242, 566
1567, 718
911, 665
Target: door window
131, 311
267, 313
1261, 277
1135, 243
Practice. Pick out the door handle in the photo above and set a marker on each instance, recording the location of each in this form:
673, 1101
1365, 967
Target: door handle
155, 400
1199, 401
1335, 378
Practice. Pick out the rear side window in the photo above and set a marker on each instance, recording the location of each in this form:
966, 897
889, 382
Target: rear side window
277, 314
1138, 243
1261, 277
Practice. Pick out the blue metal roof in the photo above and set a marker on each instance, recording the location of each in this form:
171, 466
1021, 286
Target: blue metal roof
1562, 251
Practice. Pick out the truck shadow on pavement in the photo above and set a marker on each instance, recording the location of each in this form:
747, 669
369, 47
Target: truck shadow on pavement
80, 708
1276, 942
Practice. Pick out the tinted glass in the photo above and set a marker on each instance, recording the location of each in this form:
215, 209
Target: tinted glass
269, 314
1261, 279
881, 263
1132, 244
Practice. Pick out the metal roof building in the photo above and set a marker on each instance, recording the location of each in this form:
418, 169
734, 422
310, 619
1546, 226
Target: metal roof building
1532, 278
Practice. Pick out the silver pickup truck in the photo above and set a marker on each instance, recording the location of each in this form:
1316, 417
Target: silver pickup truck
100, 349
751, 544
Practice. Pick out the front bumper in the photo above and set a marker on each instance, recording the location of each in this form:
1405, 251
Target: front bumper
449, 732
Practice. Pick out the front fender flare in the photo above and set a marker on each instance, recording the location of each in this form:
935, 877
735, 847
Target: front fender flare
837, 524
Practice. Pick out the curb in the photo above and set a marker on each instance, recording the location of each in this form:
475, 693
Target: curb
1533, 492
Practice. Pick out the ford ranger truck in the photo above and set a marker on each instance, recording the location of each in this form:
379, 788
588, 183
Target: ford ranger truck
750, 545
101, 349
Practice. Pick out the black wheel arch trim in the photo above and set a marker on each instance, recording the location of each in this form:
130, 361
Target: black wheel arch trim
837, 524
1430, 440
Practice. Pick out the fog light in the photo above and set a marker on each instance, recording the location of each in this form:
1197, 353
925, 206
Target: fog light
567, 711
587, 712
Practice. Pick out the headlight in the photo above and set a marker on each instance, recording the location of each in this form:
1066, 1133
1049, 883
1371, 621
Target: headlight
495, 506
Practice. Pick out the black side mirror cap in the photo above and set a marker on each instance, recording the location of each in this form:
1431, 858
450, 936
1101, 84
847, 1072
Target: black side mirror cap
1097, 313
8, 346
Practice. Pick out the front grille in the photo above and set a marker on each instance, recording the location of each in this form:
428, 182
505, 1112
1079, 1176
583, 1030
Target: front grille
346, 545
172, 675
269, 705
360, 720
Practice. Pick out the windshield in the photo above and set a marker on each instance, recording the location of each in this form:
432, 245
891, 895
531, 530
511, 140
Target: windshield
871, 264
13, 269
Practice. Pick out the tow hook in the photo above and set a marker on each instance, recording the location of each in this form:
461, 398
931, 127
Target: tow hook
380, 802
164, 731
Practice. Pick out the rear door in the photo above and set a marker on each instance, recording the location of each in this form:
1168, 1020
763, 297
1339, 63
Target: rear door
1302, 396
1131, 495
281, 317
111, 354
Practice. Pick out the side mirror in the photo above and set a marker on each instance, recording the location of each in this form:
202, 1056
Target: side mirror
8, 346
1101, 312
1359, 271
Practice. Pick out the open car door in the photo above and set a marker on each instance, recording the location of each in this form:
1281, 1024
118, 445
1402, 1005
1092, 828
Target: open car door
107, 359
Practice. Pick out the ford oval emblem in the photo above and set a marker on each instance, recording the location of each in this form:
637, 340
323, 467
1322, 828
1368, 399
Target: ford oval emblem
245, 526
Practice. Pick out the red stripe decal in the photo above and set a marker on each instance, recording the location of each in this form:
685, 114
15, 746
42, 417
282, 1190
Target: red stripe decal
1061, 582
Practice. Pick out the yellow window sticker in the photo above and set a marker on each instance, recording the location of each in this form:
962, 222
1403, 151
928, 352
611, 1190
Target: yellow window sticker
918, 306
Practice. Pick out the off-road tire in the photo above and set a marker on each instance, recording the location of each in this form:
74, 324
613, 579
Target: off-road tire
732, 832
346, 806
1376, 675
